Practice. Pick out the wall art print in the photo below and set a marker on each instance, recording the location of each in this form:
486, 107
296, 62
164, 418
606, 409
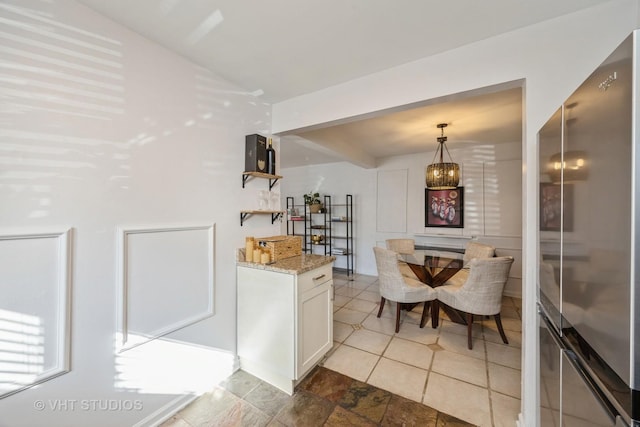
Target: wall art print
444, 208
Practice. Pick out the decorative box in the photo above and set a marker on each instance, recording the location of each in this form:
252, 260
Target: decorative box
281, 247
255, 154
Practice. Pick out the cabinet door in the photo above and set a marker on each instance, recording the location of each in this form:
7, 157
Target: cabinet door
315, 326
266, 319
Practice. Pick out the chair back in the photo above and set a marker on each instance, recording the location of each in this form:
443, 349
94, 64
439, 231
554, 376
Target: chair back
389, 276
477, 250
401, 246
483, 289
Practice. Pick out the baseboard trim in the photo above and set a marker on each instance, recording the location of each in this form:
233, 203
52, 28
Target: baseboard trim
165, 412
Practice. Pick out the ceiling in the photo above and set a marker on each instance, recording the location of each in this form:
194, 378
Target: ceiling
280, 49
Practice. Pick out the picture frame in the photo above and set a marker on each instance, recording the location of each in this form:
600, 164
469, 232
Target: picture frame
444, 208
551, 207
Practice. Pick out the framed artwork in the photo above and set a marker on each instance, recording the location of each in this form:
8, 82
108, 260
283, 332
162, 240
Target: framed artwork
551, 207
444, 208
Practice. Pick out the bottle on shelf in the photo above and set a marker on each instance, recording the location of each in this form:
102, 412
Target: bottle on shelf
271, 158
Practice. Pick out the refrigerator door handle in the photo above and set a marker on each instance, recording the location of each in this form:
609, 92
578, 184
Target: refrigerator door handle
597, 393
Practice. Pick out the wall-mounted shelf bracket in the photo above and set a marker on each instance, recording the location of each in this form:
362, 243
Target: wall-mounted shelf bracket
244, 215
272, 178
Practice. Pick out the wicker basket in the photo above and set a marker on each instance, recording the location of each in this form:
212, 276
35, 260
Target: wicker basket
281, 247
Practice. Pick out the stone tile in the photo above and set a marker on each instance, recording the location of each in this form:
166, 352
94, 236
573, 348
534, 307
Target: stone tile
349, 316
445, 420
504, 380
426, 335
448, 327
366, 400
505, 410
275, 423
504, 355
340, 417
305, 409
458, 344
347, 291
341, 331
365, 278
175, 421
267, 398
380, 324
398, 378
512, 325
461, 367
242, 414
204, 410
352, 362
507, 302
491, 334
364, 339
340, 300
327, 383
409, 352
361, 305
240, 383
359, 284
509, 312
369, 295
472, 405
414, 317
405, 412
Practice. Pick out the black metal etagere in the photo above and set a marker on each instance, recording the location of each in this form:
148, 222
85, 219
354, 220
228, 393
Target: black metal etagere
325, 223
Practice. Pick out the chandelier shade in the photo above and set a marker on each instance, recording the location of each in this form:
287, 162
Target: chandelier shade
442, 175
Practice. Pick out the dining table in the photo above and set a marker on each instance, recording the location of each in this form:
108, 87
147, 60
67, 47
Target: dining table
434, 269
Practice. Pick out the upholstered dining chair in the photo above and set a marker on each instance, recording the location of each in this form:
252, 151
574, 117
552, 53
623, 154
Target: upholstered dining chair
477, 250
404, 247
400, 289
480, 294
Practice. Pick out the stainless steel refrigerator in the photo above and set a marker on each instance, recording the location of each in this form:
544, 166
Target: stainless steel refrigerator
590, 250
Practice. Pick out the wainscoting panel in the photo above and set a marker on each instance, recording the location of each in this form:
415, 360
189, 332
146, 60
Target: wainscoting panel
166, 280
35, 290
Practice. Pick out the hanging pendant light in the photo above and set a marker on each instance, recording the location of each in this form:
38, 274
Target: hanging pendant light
442, 176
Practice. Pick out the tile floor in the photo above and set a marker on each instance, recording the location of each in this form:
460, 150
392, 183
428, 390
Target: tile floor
324, 398
431, 366
421, 377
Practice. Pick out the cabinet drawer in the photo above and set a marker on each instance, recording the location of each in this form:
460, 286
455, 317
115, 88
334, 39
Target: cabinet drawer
313, 278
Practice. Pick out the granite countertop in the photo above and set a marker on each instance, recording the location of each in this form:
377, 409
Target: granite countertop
294, 265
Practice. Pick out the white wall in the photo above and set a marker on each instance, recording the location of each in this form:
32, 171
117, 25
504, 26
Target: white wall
553, 57
103, 129
488, 196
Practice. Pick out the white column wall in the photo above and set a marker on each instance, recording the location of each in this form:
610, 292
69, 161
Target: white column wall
102, 129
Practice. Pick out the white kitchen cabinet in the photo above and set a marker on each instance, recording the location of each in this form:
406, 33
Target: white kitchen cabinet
285, 319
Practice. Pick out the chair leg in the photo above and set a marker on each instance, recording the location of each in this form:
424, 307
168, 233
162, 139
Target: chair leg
469, 330
425, 310
435, 313
398, 309
499, 325
382, 300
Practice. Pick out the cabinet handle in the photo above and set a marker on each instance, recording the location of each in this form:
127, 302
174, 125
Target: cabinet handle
319, 277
